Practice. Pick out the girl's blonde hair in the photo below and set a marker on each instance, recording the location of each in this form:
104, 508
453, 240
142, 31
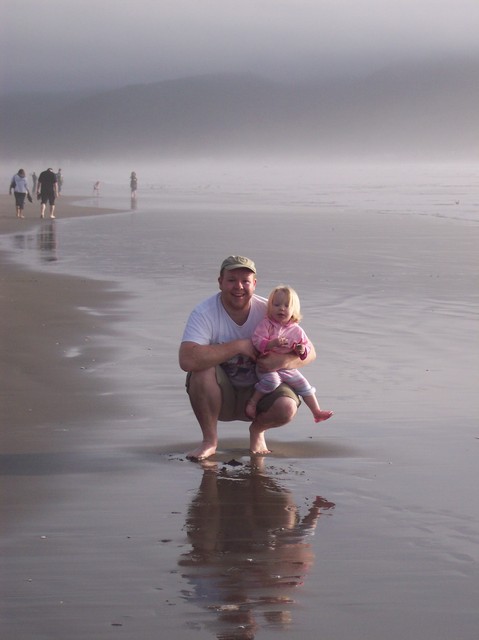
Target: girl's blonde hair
292, 298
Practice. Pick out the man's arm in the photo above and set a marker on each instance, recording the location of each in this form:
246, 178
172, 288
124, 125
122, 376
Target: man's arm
197, 357
274, 361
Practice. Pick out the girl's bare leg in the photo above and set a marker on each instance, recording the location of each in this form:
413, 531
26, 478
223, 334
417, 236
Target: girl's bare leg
318, 414
250, 408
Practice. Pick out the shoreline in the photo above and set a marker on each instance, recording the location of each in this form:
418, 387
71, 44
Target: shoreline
47, 395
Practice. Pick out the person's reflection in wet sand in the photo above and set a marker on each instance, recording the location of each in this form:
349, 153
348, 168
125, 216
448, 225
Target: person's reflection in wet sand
134, 204
20, 241
249, 549
47, 241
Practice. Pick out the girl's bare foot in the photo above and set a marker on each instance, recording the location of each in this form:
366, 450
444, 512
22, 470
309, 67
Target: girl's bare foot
320, 416
202, 452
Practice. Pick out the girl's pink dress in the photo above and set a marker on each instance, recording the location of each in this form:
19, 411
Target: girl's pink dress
267, 330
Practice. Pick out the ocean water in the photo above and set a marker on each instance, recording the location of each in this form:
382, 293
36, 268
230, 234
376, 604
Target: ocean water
384, 258
259, 192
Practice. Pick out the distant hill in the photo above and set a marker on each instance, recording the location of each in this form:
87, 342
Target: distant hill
423, 110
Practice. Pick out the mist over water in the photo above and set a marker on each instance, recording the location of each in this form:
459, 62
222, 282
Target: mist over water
419, 111
442, 189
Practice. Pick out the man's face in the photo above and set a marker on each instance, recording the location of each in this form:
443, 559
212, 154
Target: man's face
237, 287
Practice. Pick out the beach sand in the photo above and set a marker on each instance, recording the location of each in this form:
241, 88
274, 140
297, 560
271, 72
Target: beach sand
364, 527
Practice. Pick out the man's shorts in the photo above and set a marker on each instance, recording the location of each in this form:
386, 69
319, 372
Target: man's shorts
48, 197
235, 399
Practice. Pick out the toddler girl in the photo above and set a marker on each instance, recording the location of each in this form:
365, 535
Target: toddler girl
279, 331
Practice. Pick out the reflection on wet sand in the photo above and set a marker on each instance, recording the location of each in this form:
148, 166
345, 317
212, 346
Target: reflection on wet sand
47, 241
249, 550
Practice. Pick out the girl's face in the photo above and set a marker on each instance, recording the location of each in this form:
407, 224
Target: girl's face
280, 309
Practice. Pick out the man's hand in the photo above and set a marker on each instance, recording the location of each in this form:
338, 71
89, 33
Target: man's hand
196, 357
274, 361
248, 350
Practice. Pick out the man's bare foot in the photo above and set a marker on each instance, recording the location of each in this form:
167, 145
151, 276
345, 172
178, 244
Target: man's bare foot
320, 416
250, 409
201, 453
263, 452
257, 443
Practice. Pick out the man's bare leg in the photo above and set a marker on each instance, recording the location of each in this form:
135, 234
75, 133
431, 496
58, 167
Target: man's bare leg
52, 211
283, 411
42, 210
205, 398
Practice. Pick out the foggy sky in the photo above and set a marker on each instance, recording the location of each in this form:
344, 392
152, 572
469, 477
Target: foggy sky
79, 44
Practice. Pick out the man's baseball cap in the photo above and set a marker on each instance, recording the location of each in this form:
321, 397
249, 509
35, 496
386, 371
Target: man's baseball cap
237, 262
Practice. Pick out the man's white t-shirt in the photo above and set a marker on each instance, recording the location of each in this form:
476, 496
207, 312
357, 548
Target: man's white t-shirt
209, 323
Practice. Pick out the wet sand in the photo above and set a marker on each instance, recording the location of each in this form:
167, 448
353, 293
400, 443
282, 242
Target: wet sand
365, 529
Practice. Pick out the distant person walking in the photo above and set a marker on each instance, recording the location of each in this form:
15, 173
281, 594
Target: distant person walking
133, 184
47, 191
19, 185
60, 180
96, 188
34, 181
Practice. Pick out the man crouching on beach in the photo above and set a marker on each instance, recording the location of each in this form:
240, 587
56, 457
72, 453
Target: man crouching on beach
217, 352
